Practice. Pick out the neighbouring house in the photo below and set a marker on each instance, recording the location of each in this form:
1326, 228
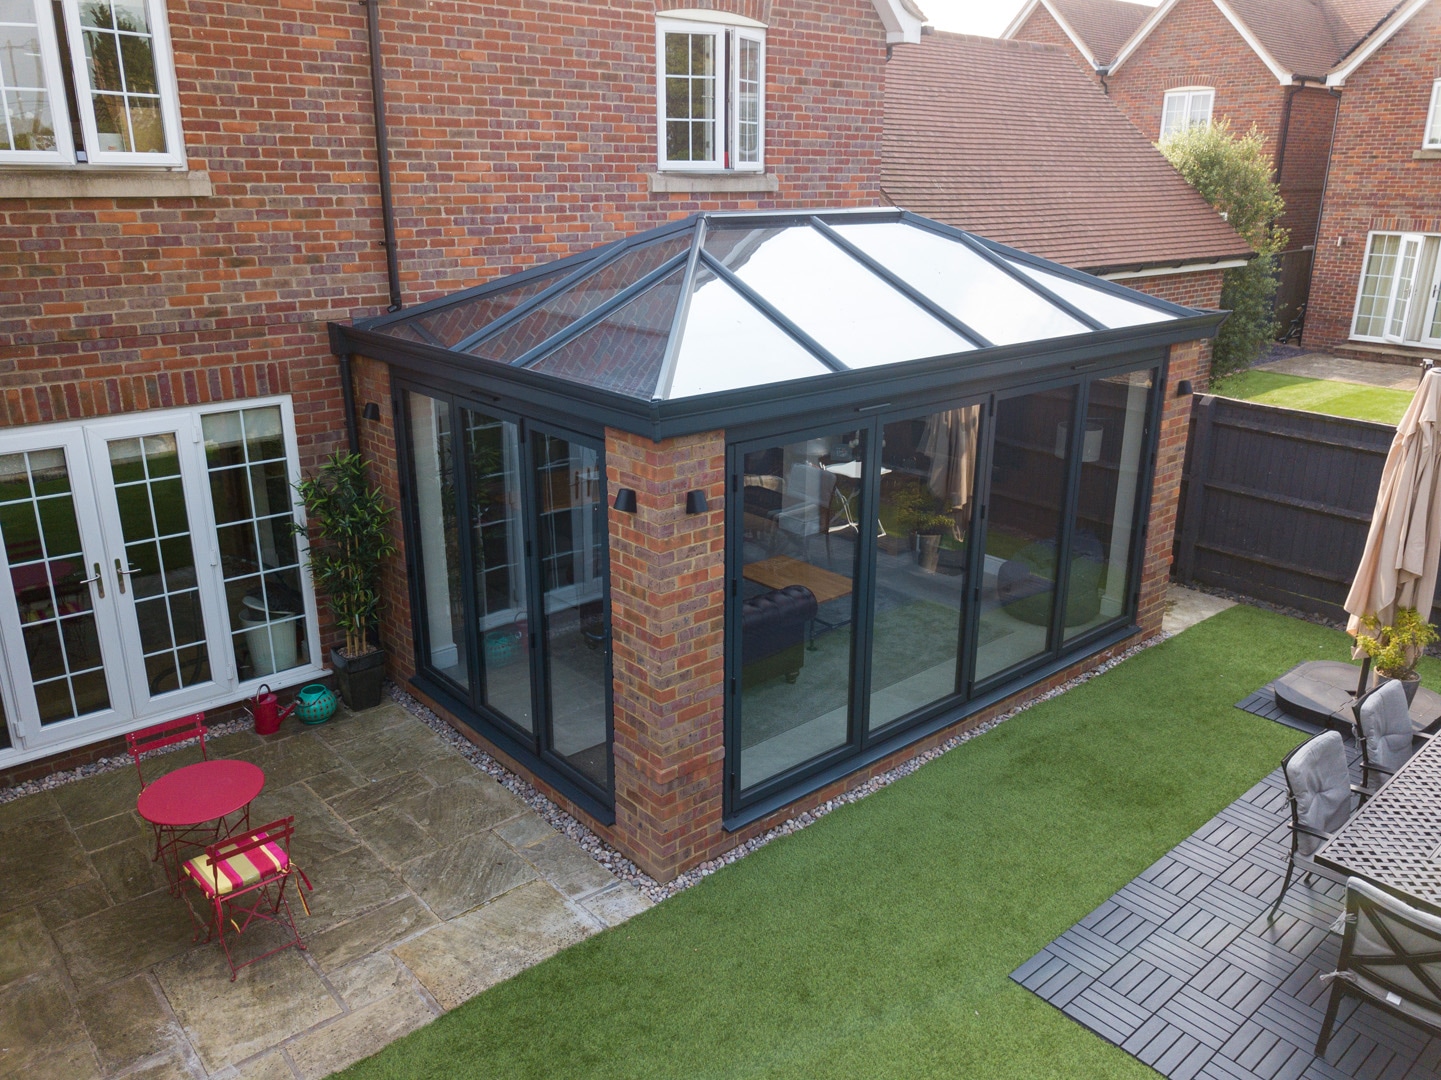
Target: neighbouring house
1376, 286
1093, 30
1261, 63
701, 453
974, 127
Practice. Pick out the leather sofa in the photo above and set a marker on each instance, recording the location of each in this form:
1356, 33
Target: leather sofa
773, 634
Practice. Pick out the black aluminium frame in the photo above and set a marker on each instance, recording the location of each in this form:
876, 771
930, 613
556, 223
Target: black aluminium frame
467, 702
862, 745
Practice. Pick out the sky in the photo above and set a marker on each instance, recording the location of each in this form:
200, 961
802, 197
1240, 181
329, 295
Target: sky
987, 17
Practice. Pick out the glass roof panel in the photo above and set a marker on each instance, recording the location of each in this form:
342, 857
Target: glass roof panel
859, 318
1107, 308
579, 300
993, 304
624, 351
450, 325
728, 344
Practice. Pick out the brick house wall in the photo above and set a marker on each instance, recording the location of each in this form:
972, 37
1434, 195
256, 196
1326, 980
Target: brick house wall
1303, 168
1198, 289
1377, 180
1041, 26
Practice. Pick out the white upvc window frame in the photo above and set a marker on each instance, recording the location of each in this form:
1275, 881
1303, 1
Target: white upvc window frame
1186, 95
727, 34
88, 152
1431, 134
1422, 286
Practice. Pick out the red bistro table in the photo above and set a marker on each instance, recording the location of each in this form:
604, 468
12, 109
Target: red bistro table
191, 796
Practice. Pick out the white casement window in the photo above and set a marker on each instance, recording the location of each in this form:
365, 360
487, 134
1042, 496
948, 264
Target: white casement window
710, 92
1432, 140
1399, 299
87, 82
1188, 107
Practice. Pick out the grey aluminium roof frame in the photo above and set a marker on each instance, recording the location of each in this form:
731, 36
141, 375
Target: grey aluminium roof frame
981, 367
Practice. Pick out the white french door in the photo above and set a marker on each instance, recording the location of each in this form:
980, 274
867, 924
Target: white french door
1399, 299
153, 570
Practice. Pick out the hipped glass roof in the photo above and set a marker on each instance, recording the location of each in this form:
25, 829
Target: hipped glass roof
725, 302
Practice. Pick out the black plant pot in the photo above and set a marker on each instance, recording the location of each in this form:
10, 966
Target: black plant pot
1408, 685
360, 678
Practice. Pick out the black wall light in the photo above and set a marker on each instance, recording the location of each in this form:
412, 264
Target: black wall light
625, 500
1183, 388
371, 411
695, 502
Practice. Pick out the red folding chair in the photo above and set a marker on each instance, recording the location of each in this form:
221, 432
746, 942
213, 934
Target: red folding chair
243, 879
156, 737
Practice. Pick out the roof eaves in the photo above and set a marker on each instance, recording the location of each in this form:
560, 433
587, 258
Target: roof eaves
1283, 75
1142, 33
1368, 45
902, 19
1020, 20
1070, 32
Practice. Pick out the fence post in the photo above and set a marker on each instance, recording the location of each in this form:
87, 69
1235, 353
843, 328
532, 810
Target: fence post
1195, 471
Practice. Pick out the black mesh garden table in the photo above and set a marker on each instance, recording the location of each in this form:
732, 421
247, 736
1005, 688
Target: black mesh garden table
1393, 840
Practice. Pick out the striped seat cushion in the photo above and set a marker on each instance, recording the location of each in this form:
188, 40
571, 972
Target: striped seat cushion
237, 871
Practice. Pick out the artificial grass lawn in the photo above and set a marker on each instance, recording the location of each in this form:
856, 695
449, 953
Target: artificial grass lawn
1359, 402
879, 941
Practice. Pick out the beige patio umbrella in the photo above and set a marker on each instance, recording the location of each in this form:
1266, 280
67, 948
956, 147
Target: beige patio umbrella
1398, 567
949, 440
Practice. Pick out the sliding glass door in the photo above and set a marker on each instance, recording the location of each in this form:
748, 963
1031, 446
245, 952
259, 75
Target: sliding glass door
508, 545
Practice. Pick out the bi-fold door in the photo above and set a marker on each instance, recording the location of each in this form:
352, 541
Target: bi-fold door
152, 566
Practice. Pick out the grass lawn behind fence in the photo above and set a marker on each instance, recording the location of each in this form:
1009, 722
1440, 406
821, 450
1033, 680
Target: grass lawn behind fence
1329, 396
878, 942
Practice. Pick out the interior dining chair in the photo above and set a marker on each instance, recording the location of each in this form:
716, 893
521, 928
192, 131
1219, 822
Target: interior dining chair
155, 737
1390, 956
1319, 790
1385, 733
242, 880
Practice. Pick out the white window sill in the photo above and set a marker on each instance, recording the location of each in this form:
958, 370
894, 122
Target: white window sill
701, 183
1426, 155
38, 183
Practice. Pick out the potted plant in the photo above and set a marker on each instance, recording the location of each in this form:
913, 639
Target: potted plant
1395, 649
348, 528
918, 513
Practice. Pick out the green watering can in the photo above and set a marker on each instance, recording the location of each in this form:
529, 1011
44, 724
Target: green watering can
315, 704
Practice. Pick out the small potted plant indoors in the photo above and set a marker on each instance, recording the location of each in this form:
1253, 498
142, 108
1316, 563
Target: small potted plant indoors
1395, 649
348, 528
919, 514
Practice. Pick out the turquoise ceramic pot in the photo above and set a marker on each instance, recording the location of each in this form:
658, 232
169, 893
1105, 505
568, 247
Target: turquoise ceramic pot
315, 704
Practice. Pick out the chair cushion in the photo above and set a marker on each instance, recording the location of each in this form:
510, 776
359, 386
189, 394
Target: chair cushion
237, 871
1318, 778
1387, 934
1386, 726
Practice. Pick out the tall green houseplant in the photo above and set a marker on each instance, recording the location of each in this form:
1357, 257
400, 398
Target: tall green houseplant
348, 526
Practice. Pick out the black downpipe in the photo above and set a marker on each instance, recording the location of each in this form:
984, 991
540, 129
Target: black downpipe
347, 391
1291, 92
382, 155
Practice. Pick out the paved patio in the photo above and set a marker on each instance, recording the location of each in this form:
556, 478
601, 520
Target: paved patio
432, 882
1344, 369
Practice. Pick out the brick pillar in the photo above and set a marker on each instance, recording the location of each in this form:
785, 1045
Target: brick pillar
667, 579
1187, 362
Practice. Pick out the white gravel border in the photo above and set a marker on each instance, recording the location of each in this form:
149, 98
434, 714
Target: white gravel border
563, 823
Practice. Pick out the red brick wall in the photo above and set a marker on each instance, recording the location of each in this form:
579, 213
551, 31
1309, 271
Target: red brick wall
1187, 362
1201, 289
1303, 171
1041, 26
1375, 182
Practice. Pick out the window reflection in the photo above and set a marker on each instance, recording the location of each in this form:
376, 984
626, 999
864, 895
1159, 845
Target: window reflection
801, 508
432, 459
927, 497
1028, 479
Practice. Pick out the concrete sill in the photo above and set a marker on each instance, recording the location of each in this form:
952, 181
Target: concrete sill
102, 184
1426, 155
712, 183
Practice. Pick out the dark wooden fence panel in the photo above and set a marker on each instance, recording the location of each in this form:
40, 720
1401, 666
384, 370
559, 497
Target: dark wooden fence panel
1276, 503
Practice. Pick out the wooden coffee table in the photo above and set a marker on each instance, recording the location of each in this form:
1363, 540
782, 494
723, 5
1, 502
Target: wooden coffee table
781, 570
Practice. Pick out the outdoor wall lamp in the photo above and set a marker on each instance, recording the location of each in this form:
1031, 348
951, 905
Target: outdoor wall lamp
695, 502
625, 500
1183, 388
371, 411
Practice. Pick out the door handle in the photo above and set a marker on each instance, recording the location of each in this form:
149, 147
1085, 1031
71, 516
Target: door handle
122, 572
100, 582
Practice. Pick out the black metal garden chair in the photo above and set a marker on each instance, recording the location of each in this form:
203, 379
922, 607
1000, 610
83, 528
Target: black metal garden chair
1319, 789
1384, 733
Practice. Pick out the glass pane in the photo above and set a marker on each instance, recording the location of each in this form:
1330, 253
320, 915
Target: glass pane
799, 564
120, 55
837, 301
1028, 479
436, 504
4, 728
1107, 506
570, 493
728, 344
1200, 110
1405, 280
748, 101
1376, 285
580, 299
47, 571
1106, 308
928, 473
450, 325
26, 123
981, 295
498, 554
160, 560
623, 352
264, 434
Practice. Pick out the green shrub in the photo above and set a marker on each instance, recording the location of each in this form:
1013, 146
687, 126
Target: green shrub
1233, 174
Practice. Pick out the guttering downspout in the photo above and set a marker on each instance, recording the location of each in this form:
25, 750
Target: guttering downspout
1101, 73
1291, 91
382, 155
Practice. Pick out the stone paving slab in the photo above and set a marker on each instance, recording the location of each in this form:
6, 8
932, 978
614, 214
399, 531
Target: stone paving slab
1184, 969
432, 883
1344, 369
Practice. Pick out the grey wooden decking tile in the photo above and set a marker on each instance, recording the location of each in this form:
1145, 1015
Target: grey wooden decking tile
1148, 900
1103, 1010
1086, 950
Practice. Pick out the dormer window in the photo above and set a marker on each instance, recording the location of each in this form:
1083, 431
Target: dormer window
1432, 139
1187, 107
710, 79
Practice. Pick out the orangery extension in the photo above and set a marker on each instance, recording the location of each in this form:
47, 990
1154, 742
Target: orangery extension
705, 526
